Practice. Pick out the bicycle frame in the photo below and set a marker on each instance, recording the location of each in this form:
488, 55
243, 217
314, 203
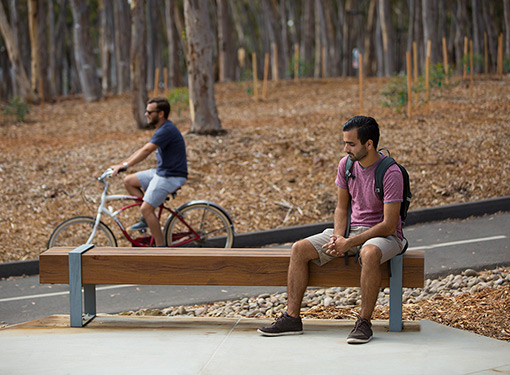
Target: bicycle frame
138, 242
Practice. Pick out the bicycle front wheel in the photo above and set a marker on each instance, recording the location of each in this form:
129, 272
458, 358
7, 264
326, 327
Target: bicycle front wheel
200, 224
77, 230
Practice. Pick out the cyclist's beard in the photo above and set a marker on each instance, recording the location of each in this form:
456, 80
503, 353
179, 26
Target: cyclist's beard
152, 123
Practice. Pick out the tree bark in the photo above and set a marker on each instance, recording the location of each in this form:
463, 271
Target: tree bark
275, 36
107, 45
122, 19
204, 114
506, 10
492, 35
20, 75
429, 15
308, 36
138, 63
226, 43
387, 37
83, 52
35, 56
369, 52
460, 33
174, 71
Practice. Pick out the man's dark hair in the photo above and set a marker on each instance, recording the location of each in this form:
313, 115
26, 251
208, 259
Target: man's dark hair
162, 105
367, 129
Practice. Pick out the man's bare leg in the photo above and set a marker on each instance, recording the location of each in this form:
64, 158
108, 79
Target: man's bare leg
133, 186
153, 223
370, 279
297, 278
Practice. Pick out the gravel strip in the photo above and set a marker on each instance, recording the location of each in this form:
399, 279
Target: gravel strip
271, 305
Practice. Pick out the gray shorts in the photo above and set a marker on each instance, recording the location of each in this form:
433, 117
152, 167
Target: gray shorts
157, 188
389, 246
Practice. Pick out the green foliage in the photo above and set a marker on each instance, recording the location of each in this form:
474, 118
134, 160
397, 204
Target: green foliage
303, 68
18, 107
179, 99
395, 92
477, 61
437, 75
506, 64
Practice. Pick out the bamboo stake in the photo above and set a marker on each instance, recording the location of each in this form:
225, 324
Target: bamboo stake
255, 83
427, 75
156, 81
445, 59
361, 83
166, 82
409, 86
275, 61
485, 41
266, 71
41, 91
500, 55
296, 62
471, 68
465, 57
415, 62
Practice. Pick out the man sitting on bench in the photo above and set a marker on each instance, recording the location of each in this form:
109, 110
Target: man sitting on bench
375, 230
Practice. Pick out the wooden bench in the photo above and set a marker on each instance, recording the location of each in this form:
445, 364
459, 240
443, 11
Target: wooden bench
87, 267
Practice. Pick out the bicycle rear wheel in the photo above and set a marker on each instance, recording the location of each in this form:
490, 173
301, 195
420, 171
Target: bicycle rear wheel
76, 231
211, 225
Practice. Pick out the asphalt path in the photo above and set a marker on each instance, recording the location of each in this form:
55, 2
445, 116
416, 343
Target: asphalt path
450, 247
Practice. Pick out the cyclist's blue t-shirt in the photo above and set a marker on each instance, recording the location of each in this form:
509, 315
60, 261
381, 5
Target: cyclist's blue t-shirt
171, 154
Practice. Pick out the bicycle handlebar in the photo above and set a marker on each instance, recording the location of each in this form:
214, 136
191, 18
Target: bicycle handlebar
109, 172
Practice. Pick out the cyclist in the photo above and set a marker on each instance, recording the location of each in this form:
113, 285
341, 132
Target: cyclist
170, 173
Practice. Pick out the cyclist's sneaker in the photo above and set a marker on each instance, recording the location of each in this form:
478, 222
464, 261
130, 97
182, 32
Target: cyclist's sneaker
283, 325
361, 333
141, 225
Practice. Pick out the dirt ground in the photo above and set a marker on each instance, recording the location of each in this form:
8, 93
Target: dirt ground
275, 166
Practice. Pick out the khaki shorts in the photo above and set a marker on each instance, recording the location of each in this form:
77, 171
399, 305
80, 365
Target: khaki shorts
389, 246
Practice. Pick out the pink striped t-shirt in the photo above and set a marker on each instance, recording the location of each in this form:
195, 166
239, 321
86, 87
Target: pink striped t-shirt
367, 208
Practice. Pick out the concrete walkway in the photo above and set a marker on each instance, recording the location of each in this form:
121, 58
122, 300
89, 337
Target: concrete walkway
152, 345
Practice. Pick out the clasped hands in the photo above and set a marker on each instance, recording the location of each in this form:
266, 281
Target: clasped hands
337, 245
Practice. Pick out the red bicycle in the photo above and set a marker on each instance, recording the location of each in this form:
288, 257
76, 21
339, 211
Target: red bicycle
194, 224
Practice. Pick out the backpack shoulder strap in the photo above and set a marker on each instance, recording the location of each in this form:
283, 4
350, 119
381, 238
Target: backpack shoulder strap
348, 167
379, 175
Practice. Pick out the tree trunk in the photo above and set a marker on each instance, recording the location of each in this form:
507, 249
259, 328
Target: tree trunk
460, 33
226, 43
83, 52
58, 49
20, 75
275, 36
308, 36
491, 33
154, 44
418, 36
387, 37
122, 19
174, 71
506, 4
379, 46
204, 114
107, 45
429, 15
138, 63
368, 56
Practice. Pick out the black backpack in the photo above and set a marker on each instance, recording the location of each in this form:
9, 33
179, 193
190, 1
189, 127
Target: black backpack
379, 190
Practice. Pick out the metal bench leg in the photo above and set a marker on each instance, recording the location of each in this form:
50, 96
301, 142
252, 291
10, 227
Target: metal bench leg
75, 290
396, 293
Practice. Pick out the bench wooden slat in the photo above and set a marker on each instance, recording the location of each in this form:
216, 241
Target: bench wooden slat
191, 266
